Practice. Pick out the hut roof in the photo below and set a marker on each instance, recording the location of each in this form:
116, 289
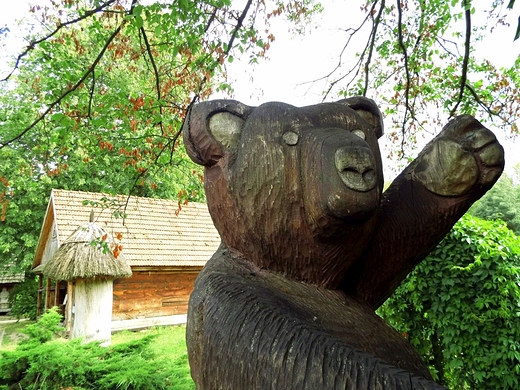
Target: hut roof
8, 276
153, 234
87, 254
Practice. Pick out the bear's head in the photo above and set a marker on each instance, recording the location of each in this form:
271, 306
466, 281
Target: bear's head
294, 190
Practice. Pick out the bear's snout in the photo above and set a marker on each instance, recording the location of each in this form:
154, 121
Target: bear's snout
356, 167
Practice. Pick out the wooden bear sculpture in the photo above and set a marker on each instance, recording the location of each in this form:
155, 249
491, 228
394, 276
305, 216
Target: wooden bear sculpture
311, 246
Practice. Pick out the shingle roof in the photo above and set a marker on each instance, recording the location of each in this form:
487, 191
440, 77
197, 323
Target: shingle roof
154, 232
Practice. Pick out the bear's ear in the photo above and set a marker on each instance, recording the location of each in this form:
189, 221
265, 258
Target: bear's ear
368, 110
212, 129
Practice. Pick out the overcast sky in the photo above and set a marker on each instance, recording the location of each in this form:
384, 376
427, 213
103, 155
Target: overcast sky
294, 60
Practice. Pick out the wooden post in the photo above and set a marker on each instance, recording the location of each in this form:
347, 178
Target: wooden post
39, 299
56, 292
68, 307
47, 294
93, 310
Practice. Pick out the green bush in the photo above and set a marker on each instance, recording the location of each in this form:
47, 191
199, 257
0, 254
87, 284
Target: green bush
45, 329
45, 364
460, 308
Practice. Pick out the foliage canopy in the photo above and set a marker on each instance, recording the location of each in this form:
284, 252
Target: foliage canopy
96, 101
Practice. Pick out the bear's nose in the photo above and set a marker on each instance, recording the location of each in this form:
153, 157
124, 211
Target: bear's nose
356, 167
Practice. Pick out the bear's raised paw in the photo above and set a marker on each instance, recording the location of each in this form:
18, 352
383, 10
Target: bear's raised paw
464, 156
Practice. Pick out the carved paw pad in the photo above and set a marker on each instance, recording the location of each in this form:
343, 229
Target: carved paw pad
465, 154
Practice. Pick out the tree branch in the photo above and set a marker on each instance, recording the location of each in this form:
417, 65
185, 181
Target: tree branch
238, 26
211, 19
486, 108
73, 88
465, 62
33, 44
156, 74
438, 40
372, 44
356, 66
91, 93
406, 70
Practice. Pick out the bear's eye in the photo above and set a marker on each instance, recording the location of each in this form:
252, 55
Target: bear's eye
290, 138
359, 133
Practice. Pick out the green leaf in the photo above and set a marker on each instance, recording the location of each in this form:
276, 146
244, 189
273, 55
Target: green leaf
58, 116
138, 21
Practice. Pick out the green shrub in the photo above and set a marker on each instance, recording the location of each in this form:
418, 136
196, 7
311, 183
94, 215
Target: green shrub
59, 364
460, 308
45, 329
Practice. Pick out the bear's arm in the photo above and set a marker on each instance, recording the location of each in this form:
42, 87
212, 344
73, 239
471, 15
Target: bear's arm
422, 205
412, 221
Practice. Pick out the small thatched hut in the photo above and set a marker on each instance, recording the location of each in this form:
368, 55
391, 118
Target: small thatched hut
85, 260
8, 281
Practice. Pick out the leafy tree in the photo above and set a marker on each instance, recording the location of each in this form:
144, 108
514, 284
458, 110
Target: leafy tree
96, 102
418, 62
460, 307
501, 202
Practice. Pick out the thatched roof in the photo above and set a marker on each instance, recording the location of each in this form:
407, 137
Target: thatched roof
7, 275
87, 254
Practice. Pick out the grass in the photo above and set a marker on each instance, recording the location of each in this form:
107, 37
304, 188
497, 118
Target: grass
11, 335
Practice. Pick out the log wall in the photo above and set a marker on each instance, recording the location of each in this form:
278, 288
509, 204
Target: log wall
153, 293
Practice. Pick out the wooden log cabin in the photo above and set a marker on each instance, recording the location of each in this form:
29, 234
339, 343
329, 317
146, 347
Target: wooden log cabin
165, 246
